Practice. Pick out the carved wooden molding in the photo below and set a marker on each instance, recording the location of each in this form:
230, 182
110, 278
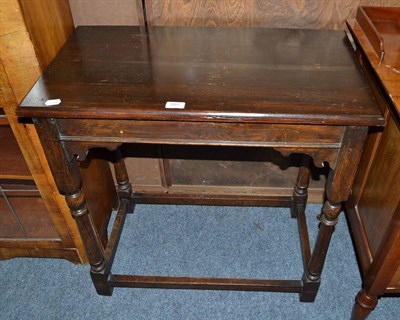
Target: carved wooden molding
80, 150
319, 156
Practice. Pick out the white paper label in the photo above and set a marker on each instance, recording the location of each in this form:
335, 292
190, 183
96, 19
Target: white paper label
53, 102
174, 105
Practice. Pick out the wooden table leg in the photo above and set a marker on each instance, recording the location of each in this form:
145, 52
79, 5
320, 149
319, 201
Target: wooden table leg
363, 306
121, 174
300, 192
338, 189
312, 274
64, 168
380, 272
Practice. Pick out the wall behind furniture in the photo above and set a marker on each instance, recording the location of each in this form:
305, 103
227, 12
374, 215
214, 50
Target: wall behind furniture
316, 14
106, 12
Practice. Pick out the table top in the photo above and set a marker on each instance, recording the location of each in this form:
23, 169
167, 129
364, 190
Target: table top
222, 74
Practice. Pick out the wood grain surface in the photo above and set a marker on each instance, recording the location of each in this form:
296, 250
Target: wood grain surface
49, 23
12, 163
29, 207
267, 76
381, 178
326, 14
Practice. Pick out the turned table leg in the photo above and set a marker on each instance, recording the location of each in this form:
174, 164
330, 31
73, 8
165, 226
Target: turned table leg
380, 272
64, 168
338, 189
300, 192
312, 274
121, 174
363, 306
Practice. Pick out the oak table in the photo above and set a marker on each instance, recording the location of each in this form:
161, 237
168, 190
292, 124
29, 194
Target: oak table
297, 91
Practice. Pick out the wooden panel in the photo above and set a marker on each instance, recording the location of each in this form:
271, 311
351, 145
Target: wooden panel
37, 251
143, 165
143, 172
381, 26
17, 54
369, 153
201, 133
189, 170
9, 227
49, 23
395, 282
3, 119
328, 14
240, 167
10, 17
12, 163
106, 12
381, 193
31, 210
100, 192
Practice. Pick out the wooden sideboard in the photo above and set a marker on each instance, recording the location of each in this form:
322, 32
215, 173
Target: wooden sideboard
374, 206
34, 218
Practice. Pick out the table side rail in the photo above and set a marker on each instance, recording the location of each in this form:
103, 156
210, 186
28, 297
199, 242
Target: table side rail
200, 133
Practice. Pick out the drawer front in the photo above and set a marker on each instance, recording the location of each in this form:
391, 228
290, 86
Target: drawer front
201, 133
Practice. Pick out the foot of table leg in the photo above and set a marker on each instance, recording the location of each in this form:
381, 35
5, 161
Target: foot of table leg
310, 289
101, 284
91, 241
363, 306
300, 193
312, 274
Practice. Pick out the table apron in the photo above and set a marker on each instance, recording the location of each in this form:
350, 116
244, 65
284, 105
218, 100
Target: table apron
201, 133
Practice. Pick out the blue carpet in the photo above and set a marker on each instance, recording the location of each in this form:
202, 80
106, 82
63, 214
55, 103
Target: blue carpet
193, 241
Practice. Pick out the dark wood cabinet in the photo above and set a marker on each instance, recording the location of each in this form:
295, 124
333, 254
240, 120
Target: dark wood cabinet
374, 206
